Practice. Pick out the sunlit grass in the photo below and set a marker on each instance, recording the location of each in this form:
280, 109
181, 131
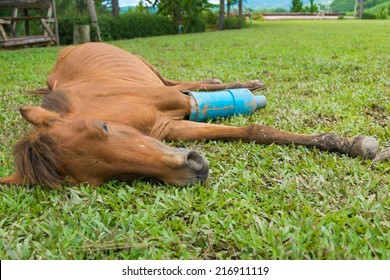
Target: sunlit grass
261, 202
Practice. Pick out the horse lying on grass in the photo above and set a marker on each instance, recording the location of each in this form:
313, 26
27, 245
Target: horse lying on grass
106, 112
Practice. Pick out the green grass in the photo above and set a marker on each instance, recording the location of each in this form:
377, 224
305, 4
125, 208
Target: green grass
261, 202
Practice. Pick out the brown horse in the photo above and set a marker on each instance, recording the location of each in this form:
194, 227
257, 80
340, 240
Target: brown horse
106, 112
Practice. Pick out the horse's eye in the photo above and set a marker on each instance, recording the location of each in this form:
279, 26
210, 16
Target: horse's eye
105, 127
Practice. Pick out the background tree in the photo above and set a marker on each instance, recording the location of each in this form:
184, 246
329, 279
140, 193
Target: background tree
221, 14
115, 8
349, 5
230, 3
240, 8
297, 6
78, 8
108, 5
183, 12
94, 19
312, 8
361, 9
81, 6
140, 8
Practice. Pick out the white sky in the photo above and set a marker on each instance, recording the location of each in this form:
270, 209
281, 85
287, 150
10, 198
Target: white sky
123, 3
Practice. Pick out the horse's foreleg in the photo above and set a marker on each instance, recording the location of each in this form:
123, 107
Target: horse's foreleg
353, 146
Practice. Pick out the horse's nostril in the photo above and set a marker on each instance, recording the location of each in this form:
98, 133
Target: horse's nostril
195, 161
195, 164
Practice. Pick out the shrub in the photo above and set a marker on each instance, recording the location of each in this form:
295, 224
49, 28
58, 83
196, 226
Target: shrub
383, 13
257, 16
234, 23
65, 28
368, 15
195, 24
211, 19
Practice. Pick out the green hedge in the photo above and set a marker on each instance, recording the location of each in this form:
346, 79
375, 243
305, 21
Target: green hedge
134, 25
125, 26
65, 29
234, 23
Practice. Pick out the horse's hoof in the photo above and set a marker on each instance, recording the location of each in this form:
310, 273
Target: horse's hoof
216, 81
364, 146
213, 81
255, 85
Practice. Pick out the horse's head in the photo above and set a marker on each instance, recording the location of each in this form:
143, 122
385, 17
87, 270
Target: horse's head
60, 150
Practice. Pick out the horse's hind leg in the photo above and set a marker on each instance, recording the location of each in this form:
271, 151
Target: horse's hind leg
353, 146
207, 85
252, 85
169, 82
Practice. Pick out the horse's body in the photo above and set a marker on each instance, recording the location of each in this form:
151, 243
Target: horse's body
106, 112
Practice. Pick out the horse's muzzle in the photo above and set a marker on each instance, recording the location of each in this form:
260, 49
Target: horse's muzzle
190, 167
199, 165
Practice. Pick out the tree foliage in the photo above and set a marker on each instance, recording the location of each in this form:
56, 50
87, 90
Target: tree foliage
348, 5
312, 8
73, 8
183, 12
296, 6
180, 9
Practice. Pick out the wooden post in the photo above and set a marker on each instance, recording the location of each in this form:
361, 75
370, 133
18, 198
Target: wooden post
81, 34
2, 31
13, 25
26, 23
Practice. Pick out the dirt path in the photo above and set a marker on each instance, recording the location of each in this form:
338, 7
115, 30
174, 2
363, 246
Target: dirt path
289, 17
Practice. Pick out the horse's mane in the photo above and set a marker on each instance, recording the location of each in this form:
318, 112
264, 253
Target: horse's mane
57, 101
36, 159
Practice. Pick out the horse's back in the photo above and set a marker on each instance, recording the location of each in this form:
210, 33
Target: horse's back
94, 60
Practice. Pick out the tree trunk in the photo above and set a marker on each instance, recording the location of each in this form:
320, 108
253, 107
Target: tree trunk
355, 9
240, 8
94, 19
221, 14
55, 22
361, 9
115, 8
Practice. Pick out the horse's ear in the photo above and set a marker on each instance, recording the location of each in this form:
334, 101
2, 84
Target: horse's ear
38, 116
14, 179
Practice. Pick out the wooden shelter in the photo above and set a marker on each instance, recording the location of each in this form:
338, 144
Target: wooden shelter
41, 13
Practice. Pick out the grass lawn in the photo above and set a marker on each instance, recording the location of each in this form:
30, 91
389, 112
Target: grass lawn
261, 202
